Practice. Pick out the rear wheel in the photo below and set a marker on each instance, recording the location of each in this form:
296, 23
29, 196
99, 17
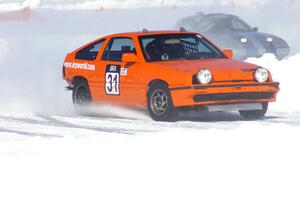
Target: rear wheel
159, 102
255, 114
81, 94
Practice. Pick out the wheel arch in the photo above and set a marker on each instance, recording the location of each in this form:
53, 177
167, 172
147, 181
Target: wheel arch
156, 81
79, 78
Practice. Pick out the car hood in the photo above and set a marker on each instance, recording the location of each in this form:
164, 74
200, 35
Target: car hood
221, 69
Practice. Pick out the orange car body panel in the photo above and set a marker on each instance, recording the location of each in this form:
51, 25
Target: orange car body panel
229, 76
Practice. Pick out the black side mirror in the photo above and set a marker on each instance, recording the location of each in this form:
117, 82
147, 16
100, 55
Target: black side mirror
255, 29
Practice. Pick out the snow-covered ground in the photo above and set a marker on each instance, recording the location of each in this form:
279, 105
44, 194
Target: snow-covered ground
219, 156
48, 151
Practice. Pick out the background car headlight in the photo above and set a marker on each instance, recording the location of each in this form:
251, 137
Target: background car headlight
204, 76
269, 39
261, 75
243, 40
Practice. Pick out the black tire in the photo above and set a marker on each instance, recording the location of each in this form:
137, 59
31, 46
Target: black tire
81, 94
255, 114
160, 104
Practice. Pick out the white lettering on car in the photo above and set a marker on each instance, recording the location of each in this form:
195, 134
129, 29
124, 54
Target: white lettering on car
82, 66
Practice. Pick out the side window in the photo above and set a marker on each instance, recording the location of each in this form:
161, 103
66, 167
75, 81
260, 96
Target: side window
90, 52
116, 47
193, 46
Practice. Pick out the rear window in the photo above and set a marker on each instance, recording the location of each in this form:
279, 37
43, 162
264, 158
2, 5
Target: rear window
90, 52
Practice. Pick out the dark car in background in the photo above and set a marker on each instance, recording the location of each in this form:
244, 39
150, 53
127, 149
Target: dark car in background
230, 31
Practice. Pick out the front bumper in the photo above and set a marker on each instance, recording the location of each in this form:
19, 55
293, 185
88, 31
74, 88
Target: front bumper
282, 53
222, 93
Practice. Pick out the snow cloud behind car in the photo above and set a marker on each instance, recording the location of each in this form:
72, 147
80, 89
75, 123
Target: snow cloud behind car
30, 62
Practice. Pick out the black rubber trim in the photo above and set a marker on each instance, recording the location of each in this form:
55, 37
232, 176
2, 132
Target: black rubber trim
276, 85
181, 88
233, 96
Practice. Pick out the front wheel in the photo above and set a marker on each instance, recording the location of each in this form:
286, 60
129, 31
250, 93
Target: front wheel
255, 114
159, 103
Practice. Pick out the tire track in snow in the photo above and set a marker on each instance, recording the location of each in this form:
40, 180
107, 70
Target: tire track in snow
61, 126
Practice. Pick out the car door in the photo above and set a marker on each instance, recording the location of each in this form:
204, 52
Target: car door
119, 77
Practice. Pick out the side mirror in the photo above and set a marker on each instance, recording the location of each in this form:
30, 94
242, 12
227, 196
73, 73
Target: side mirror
129, 57
255, 29
228, 53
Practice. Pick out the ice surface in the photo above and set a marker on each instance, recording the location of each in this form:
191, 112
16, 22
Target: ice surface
48, 151
121, 158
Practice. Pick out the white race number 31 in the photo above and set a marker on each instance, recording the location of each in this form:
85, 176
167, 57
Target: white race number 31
112, 80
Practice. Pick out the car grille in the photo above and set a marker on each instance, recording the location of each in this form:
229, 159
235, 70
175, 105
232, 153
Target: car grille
233, 96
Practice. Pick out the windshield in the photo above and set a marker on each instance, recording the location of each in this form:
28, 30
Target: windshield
238, 24
229, 25
172, 47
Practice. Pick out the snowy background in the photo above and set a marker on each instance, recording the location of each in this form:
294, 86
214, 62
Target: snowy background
48, 151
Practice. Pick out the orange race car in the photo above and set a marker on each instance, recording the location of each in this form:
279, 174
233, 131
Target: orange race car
166, 72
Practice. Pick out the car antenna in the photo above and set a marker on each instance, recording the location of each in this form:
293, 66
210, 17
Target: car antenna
182, 29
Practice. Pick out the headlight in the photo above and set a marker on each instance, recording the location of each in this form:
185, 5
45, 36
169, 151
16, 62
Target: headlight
261, 75
269, 39
204, 76
243, 40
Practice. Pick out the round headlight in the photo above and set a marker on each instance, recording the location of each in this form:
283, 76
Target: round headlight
261, 75
243, 40
269, 39
204, 76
